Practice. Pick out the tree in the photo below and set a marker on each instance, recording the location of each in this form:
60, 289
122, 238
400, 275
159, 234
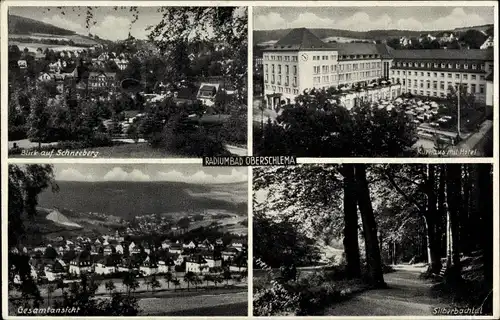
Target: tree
110, 286
130, 282
373, 258
351, 246
154, 283
176, 283
189, 277
317, 125
133, 132
38, 120
168, 278
227, 276
50, 291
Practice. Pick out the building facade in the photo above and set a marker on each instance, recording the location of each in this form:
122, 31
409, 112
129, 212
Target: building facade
432, 72
300, 61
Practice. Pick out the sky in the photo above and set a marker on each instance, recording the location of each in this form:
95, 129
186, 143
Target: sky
111, 24
188, 173
417, 18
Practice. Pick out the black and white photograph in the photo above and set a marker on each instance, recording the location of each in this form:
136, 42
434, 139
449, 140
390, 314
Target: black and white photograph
373, 240
127, 240
127, 82
373, 81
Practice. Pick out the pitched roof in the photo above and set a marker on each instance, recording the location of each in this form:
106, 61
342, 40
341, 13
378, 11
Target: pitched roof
354, 48
300, 39
449, 54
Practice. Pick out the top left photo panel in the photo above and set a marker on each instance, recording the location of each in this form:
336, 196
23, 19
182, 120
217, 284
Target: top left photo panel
127, 82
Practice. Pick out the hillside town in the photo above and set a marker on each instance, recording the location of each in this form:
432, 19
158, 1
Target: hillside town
103, 93
112, 255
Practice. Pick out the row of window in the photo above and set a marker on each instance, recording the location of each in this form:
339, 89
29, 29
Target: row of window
281, 58
427, 85
441, 65
287, 69
465, 76
287, 80
282, 90
317, 58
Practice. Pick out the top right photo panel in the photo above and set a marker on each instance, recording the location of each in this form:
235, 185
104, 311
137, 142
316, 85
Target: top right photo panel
373, 81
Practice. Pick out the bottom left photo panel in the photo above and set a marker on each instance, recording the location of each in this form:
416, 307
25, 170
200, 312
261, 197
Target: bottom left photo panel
127, 240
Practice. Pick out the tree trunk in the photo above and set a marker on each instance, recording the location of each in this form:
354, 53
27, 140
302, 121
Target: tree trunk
454, 200
373, 258
351, 245
433, 256
466, 221
485, 213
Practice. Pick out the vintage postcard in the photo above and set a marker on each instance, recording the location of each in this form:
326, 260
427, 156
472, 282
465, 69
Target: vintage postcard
250, 159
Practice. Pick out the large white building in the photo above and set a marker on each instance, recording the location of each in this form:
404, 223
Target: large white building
300, 61
432, 72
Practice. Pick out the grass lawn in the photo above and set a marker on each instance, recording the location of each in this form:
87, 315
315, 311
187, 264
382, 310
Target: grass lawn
134, 150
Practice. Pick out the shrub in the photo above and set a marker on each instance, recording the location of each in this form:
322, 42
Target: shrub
275, 300
17, 133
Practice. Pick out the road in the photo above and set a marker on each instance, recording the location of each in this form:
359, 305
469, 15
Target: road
406, 295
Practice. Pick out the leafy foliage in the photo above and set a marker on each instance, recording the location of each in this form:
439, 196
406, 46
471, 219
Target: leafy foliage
317, 126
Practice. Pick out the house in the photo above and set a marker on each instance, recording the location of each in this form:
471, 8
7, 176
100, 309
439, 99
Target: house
128, 264
236, 268
205, 244
103, 57
166, 265
229, 254
238, 244
447, 37
207, 93
81, 264
487, 44
405, 41
119, 249
108, 250
55, 270
121, 63
131, 246
429, 37
166, 244
101, 80
196, 264
149, 266
107, 265
189, 245
175, 248
213, 260
69, 71
22, 64
179, 260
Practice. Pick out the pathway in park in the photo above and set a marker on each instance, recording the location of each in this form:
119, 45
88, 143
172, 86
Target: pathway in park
406, 295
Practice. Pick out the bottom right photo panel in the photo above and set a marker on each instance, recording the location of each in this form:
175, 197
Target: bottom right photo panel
373, 240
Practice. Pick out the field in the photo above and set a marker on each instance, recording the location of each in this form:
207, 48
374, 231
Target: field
33, 46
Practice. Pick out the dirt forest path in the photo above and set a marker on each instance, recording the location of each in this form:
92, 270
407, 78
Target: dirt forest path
406, 295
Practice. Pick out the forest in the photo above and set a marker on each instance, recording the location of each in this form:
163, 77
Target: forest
438, 217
